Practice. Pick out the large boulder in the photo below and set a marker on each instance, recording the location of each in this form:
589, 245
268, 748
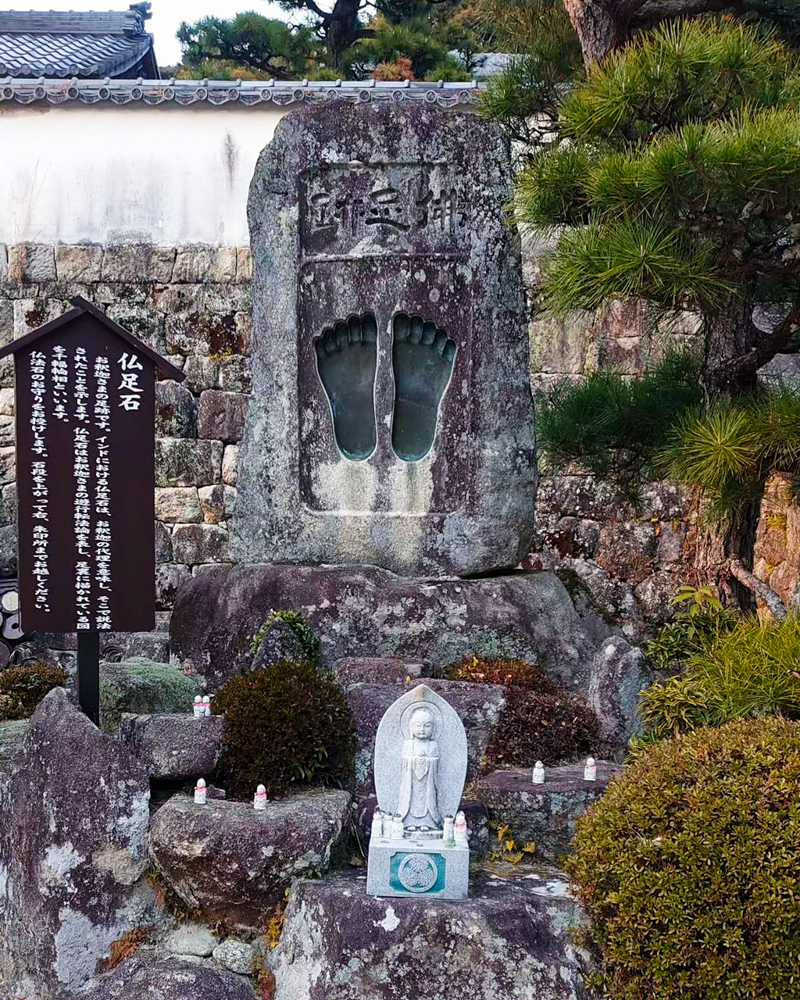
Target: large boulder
367, 612
73, 850
478, 706
543, 814
227, 860
174, 746
142, 686
146, 977
511, 940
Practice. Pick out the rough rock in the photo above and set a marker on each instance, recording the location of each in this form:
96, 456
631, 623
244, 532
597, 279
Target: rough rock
178, 505
370, 612
145, 977
176, 410
226, 859
73, 849
511, 940
200, 543
183, 462
230, 464
143, 687
196, 263
217, 503
235, 374
201, 373
376, 670
170, 577
236, 956
544, 814
191, 939
138, 262
174, 746
31, 262
619, 673
221, 415
477, 705
81, 262
446, 484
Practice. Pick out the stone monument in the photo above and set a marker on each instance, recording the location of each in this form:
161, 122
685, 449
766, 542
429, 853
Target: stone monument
420, 769
391, 422
387, 474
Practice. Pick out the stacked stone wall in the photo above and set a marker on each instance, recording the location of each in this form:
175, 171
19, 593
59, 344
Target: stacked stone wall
629, 561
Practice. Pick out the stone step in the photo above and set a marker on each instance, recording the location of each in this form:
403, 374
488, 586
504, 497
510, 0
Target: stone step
511, 940
543, 814
229, 861
174, 746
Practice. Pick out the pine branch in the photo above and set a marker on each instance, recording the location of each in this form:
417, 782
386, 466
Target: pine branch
776, 606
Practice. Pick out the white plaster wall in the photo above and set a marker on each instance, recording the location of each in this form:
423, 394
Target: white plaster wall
102, 173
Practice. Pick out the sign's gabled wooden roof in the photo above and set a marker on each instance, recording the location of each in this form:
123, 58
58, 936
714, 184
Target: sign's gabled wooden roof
82, 307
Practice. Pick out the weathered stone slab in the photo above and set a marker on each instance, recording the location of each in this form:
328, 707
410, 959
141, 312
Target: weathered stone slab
544, 814
376, 670
74, 850
147, 977
511, 940
226, 859
371, 612
387, 297
174, 746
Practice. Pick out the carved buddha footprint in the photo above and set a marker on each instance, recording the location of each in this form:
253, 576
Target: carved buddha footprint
422, 356
346, 359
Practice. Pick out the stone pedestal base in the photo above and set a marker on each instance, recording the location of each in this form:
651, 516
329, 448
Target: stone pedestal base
417, 867
515, 938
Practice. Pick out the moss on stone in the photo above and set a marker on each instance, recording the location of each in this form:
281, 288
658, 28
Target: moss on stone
143, 687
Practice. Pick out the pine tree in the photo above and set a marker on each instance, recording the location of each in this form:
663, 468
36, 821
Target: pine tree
669, 170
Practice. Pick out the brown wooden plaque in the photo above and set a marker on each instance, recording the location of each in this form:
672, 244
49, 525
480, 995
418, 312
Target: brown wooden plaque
85, 399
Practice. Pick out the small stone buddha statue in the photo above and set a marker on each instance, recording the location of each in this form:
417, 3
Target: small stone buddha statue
418, 803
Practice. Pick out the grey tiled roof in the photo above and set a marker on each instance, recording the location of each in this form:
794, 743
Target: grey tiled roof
242, 92
72, 44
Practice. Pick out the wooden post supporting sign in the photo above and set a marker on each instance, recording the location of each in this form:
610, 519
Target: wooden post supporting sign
85, 417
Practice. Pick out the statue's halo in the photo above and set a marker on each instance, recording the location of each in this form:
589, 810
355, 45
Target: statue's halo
427, 706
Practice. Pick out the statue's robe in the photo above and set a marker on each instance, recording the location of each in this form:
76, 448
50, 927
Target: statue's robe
418, 803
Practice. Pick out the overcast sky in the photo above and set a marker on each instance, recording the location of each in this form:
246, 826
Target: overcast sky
167, 15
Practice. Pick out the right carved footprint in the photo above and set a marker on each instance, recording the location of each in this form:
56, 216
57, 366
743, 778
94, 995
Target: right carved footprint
422, 356
346, 358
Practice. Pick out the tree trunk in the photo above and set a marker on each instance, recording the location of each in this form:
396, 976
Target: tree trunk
602, 25
341, 30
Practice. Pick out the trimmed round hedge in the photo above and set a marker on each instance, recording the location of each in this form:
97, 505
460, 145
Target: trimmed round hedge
689, 868
285, 726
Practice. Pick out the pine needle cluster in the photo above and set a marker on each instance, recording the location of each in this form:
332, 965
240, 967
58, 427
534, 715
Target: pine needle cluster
676, 165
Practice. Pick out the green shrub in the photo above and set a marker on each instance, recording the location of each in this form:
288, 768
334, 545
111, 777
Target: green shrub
501, 670
545, 727
700, 621
22, 688
689, 868
285, 725
749, 671
727, 453
613, 425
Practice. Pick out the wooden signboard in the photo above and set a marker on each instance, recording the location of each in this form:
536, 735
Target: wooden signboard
85, 417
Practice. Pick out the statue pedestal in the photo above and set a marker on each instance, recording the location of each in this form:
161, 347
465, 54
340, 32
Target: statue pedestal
417, 867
